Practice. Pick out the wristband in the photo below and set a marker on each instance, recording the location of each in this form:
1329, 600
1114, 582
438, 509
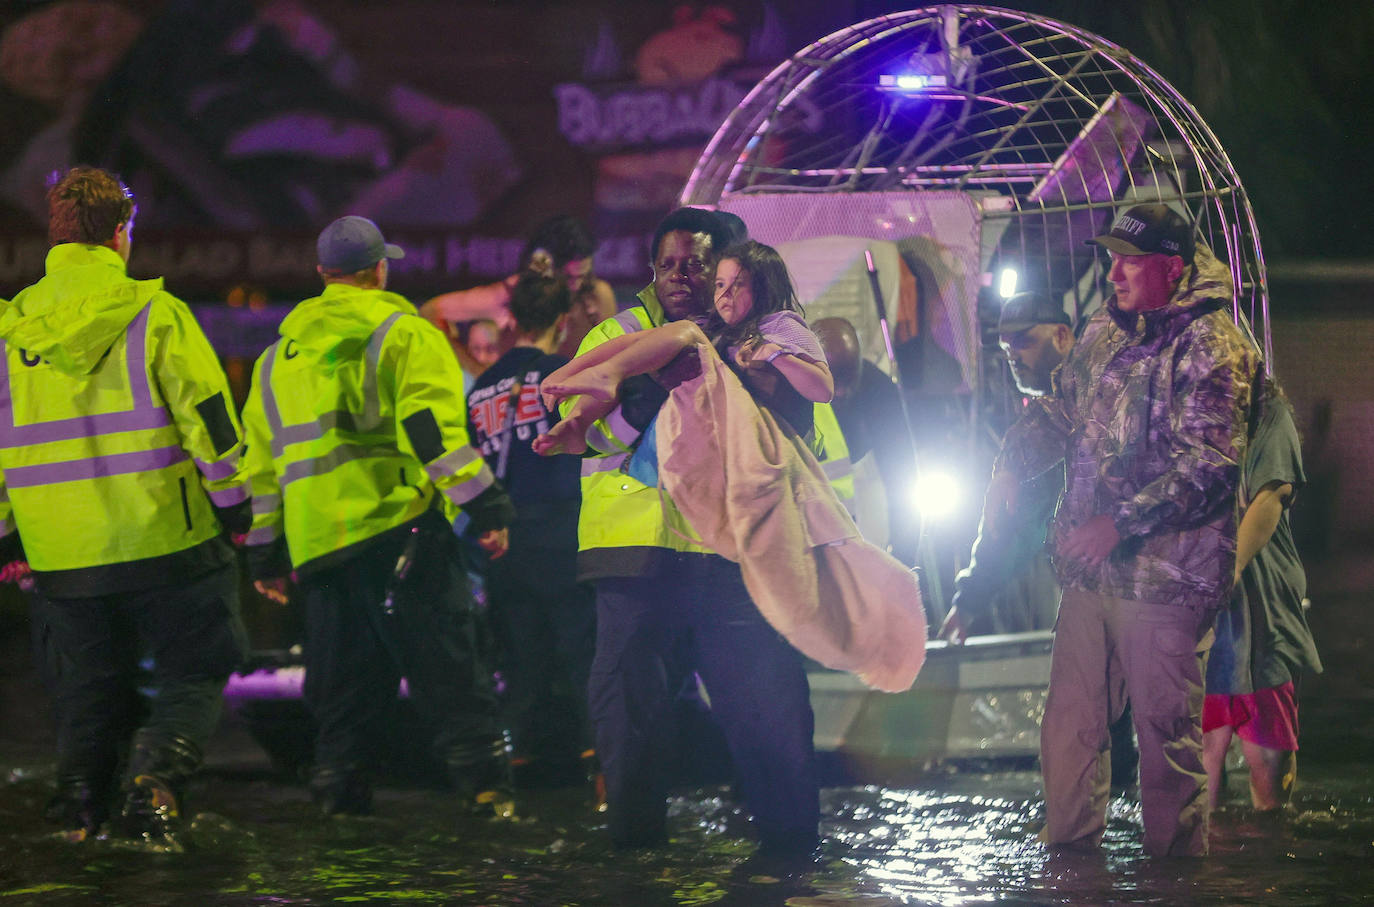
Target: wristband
775, 354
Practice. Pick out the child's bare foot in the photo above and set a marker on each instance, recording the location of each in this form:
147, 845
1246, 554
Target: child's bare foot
567, 436
591, 382
555, 378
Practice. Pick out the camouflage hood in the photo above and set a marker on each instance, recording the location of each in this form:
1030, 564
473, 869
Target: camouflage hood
1156, 410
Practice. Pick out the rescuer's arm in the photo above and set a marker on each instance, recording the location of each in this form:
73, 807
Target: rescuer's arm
188, 372
14, 566
1259, 522
431, 425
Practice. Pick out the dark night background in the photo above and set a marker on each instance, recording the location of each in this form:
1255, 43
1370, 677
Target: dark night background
1285, 86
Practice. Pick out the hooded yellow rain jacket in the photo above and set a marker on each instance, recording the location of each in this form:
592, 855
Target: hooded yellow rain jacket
356, 424
119, 449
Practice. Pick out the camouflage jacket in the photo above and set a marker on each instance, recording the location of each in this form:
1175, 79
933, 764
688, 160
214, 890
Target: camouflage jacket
1150, 418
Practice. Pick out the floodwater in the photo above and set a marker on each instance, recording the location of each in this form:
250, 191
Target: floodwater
952, 837
958, 838
955, 835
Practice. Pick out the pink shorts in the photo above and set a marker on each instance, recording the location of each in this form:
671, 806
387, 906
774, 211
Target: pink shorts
1268, 717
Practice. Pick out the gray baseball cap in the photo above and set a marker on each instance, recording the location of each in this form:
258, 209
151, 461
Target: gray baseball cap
1025, 310
353, 243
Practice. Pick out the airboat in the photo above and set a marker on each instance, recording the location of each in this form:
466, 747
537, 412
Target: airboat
966, 151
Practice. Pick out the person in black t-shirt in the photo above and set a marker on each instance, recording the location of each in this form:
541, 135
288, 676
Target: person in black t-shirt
545, 620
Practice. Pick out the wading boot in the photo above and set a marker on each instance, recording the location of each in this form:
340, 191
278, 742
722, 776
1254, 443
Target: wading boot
596, 779
482, 778
340, 792
158, 768
151, 814
79, 807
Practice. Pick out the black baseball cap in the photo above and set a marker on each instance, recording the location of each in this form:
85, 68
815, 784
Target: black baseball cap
1025, 310
1147, 229
353, 243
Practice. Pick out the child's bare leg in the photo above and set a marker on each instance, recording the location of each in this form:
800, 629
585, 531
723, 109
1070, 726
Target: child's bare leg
1215, 743
629, 354
575, 366
570, 435
1272, 774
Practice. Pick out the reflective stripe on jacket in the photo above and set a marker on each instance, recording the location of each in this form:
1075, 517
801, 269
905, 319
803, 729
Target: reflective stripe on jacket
625, 526
117, 438
355, 421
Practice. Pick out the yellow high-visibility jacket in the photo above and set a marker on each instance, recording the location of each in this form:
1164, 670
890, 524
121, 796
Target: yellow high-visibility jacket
356, 423
119, 447
625, 527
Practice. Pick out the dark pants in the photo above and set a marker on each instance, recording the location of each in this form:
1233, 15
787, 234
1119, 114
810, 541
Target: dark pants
755, 680
355, 655
546, 623
193, 636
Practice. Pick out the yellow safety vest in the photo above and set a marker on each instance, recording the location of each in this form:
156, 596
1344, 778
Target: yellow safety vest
355, 418
117, 440
832, 451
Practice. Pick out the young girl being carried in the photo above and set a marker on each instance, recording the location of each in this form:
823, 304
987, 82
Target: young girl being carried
757, 325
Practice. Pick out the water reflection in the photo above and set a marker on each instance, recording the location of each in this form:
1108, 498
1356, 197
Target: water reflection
952, 839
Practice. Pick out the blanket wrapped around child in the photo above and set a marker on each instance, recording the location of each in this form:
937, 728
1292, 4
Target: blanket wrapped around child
755, 494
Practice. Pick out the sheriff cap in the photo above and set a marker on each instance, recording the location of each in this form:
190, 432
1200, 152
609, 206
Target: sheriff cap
1147, 229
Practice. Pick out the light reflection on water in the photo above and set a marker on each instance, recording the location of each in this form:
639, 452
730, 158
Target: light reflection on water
950, 839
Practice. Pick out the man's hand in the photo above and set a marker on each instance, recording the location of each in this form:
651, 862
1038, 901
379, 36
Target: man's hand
273, 589
952, 628
495, 542
1092, 542
17, 572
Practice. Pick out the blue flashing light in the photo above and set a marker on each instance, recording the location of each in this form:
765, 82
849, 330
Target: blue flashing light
910, 82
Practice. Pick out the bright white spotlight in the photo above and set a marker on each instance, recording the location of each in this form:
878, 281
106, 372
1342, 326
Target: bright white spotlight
935, 494
1006, 283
